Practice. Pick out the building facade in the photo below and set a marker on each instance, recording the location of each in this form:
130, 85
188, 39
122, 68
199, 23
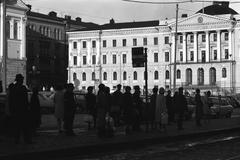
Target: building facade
47, 47
13, 42
207, 53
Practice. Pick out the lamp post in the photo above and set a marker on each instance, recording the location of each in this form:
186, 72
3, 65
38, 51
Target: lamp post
175, 52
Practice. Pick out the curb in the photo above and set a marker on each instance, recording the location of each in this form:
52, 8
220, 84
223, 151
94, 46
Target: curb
113, 146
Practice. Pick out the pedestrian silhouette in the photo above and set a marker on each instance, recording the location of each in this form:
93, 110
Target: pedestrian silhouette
69, 109
199, 108
19, 109
181, 108
35, 111
116, 107
91, 105
58, 100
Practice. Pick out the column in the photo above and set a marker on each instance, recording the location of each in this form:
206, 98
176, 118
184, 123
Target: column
219, 45
195, 47
184, 47
173, 49
23, 38
230, 45
207, 47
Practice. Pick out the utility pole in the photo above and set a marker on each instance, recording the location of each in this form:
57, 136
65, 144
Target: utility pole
175, 51
3, 52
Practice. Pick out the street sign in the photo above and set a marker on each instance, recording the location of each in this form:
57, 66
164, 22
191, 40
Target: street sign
138, 58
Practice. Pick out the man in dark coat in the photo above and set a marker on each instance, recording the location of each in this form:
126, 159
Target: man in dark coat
91, 104
101, 110
170, 108
181, 107
128, 109
35, 111
116, 107
69, 109
19, 109
199, 107
151, 109
138, 108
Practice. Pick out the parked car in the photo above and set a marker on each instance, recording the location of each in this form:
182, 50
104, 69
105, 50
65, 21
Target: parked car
221, 108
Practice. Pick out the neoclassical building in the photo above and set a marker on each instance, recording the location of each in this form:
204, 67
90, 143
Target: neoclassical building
13, 42
207, 53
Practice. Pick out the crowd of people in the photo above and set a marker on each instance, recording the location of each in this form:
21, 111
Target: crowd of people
129, 109
25, 112
107, 110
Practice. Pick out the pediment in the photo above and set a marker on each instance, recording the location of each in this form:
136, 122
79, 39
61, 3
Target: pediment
201, 19
16, 4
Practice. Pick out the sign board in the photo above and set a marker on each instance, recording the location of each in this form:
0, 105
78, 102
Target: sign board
138, 58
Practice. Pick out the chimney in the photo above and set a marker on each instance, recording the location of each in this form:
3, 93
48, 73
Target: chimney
67, 17
29, 6
112, 21
78, 19
52, 14
184, 15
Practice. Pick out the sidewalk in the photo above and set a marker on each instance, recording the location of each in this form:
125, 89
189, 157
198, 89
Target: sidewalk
50, 142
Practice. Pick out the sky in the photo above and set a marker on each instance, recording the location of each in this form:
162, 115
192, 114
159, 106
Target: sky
101, 11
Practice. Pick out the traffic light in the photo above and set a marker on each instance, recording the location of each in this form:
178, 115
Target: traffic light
138, 58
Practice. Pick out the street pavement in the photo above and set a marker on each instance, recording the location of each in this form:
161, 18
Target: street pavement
50, 142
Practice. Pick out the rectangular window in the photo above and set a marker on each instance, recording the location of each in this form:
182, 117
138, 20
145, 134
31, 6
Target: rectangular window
215, 54
75, 60
93, 44
181, 39
93, 59
166, 40
155, 40
104, 43
114, 43
144, 41
104, 59
226, 36
124, 42
84, 44
84, 60
166, 56
203, 56
226, 54
203, 37
215, 37
191, 55
124, 58
114, 59
74, 45
181, 56
15, 31
191, 38
155, 57
134, 42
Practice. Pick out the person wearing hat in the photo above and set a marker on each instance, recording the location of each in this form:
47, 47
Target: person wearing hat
19, 109
69, 109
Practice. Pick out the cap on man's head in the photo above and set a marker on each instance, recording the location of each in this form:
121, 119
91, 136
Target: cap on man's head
19, 77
